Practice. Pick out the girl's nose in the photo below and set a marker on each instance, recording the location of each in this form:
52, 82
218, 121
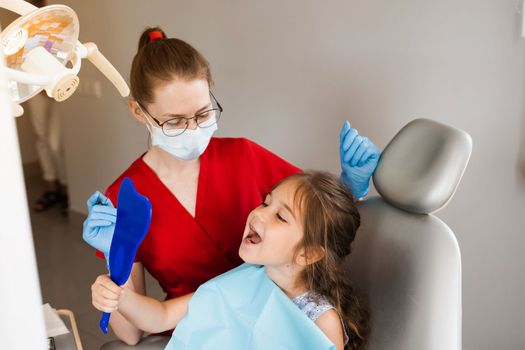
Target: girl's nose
260, 214
263, 214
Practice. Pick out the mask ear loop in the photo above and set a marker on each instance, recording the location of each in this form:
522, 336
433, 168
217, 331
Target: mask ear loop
149, 126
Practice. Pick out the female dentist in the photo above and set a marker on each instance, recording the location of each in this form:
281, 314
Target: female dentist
201, 188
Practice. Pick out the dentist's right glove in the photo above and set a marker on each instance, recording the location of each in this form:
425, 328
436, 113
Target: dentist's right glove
99, 226
359, 158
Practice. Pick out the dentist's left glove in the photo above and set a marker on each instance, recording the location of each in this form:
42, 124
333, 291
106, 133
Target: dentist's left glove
359, 158
99, 226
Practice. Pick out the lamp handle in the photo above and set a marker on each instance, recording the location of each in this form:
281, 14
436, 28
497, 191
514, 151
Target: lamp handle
93, 54
18, 6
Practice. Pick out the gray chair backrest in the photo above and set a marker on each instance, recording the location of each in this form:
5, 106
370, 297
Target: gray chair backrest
405, 260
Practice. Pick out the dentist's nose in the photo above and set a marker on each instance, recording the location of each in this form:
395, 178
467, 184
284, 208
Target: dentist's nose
192, 124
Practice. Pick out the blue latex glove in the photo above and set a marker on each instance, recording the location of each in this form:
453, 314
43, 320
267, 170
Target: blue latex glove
99, 226
359, 158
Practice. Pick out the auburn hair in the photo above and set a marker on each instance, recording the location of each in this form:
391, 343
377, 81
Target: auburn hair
160, 59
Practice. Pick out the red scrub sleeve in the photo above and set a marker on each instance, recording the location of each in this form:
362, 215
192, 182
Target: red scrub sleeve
268, 169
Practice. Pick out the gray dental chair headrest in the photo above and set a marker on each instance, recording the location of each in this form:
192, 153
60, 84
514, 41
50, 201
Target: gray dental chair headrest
422, 166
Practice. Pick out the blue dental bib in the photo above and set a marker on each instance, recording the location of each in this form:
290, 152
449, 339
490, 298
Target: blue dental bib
243, 309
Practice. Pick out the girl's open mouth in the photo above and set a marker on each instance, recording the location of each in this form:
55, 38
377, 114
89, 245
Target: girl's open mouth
253, 237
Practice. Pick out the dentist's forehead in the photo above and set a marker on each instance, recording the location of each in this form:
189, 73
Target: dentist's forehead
181, 97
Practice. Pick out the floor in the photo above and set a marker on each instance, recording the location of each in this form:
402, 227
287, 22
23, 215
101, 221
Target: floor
67, 266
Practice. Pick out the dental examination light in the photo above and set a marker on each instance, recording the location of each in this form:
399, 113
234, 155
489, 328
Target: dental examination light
38, 51
42, 52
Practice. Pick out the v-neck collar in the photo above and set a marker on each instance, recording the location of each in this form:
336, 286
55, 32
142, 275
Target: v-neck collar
202, 183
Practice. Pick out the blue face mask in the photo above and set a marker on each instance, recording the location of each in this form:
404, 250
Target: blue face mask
188, 145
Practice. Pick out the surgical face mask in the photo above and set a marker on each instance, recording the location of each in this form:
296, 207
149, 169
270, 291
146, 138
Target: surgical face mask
186, 146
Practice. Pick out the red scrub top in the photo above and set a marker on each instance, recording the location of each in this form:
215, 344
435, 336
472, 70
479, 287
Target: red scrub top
181, 251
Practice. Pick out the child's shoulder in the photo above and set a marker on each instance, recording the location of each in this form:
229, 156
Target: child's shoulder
330, 323
329, 317
320, 310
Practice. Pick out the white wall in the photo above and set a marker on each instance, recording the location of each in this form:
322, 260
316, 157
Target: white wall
289, 72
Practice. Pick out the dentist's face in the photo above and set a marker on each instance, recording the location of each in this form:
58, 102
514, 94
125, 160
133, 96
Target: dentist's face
177, 98
273, 230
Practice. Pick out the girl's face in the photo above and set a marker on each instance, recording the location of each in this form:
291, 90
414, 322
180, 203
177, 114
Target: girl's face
177, 98
273, 230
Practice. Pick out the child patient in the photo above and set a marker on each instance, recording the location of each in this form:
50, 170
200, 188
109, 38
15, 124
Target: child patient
300, 233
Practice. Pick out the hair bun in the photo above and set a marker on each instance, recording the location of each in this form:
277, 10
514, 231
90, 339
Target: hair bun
155, 35
150, 35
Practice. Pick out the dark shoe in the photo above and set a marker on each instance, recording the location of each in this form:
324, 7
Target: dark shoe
48, 199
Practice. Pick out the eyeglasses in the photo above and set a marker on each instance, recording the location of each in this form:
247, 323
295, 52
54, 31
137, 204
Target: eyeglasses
178, 125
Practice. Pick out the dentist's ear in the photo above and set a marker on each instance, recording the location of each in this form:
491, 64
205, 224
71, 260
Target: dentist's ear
310, 256
137, 111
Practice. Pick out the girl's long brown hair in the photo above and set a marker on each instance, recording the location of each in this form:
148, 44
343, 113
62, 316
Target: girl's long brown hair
162, 60
331, 220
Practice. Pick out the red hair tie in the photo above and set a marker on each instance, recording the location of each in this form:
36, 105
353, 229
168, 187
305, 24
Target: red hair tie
155, 36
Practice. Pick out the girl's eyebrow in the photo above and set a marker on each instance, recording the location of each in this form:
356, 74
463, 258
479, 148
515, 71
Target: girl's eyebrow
288, 208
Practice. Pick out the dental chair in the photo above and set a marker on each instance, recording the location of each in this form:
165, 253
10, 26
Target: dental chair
404, 259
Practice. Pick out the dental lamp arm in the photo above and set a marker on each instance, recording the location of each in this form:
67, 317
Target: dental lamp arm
93, 54
87, 50
18, 6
